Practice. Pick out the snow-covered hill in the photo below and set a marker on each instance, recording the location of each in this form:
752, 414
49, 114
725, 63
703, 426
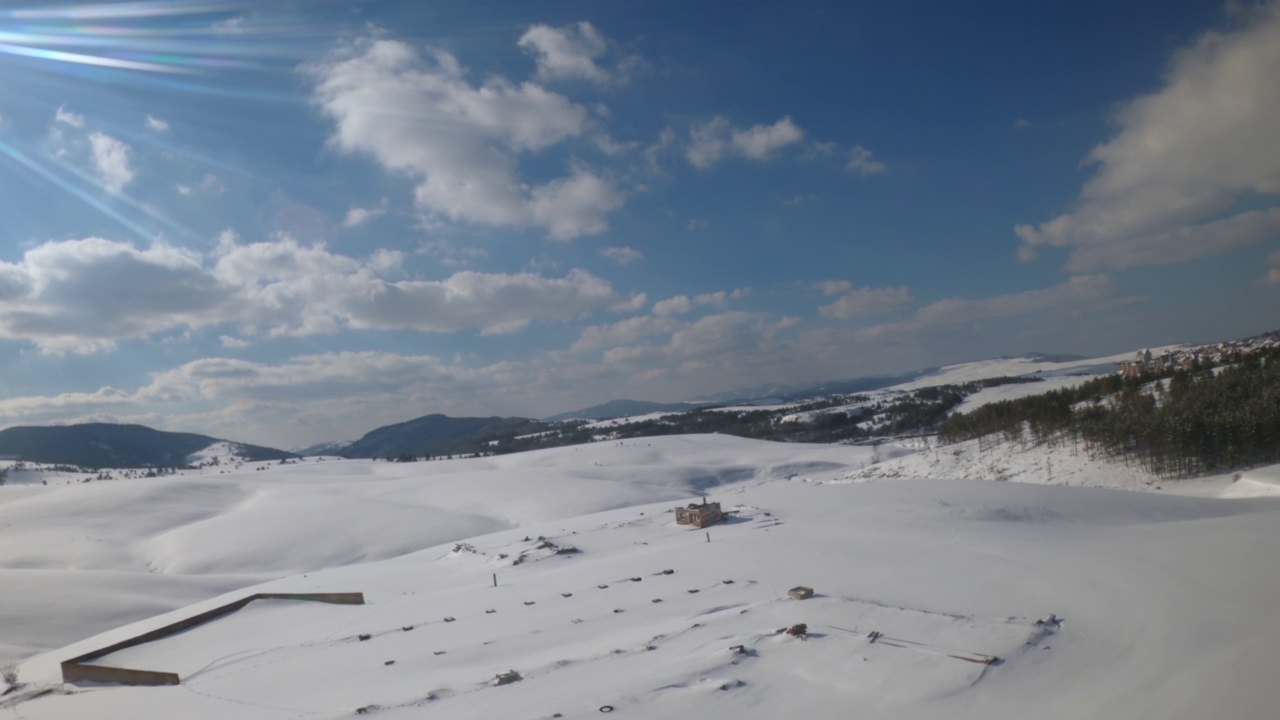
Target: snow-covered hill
1148, 619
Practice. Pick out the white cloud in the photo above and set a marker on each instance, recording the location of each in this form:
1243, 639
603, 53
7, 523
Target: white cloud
635, 303
731, 347
1272, 277
112, 160
867, 301
209, 184
230, 26
1079, 295
612, 147
155, 124
357, 216
712, 141
460, 142
567, 53
82, 295
1021, 124
673, 306
1184, 173
385, 260
233, 342
833, 287
681, 304
624, 332
622, 255
759, 142
860, 161
707, 144
1181, 244
666, 140
66, 117
575, 205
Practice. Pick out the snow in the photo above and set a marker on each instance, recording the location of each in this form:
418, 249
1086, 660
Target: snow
616, 422
222, 452
1019, 367
1260, 482
1020, 390
1154, 623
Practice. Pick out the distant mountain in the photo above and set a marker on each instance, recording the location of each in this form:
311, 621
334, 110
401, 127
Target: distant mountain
623, 408
440, 435
334, 447
102, 445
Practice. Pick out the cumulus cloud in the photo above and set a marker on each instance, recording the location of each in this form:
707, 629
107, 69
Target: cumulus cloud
1079, 295
1272, 276
82, 295
460, 142
866, 301
1181, 244
673, 306
833, 287
571, 52
635, 303
681, 304
624, 332
730, 346
575, 205
1183, 176
112, 159
209, 184
861, 162
712, 141
155, 124
622, 255
66, 117
759, 142
357, 216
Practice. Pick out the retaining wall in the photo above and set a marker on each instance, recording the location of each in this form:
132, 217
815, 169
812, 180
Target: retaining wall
76, 669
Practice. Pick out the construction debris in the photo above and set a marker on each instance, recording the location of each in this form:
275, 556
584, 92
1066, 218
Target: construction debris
506, 678
799, 630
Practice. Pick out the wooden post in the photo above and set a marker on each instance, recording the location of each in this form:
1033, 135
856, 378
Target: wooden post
495, 579
708, 537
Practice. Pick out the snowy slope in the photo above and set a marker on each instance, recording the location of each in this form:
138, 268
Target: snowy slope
1020, 366
1153, 623
90, 556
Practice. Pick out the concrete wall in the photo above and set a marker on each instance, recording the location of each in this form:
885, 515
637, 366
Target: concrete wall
75, 669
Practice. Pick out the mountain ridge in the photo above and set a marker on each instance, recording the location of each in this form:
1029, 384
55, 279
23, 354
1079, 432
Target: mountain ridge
100, 445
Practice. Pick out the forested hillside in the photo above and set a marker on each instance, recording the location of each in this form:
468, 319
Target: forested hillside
1174, 424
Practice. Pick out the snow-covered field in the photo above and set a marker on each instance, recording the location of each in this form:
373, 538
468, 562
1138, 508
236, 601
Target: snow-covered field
1164, 601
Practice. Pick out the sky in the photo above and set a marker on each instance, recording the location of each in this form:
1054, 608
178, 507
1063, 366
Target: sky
292, 222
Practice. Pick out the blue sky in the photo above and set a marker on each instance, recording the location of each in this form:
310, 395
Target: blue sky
294, 221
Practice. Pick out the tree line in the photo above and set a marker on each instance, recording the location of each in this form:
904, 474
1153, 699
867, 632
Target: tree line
1173, 423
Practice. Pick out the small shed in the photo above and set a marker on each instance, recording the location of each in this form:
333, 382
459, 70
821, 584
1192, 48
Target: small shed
699, 515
